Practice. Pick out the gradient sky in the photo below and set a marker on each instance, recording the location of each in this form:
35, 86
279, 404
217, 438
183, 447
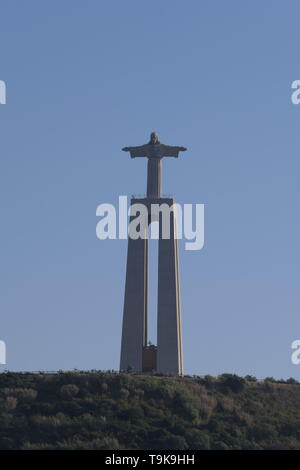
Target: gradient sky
85, 78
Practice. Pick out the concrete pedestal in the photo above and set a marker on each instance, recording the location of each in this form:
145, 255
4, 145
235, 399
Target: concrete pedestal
168, 358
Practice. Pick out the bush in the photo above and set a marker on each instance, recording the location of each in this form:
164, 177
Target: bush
270, 379
198, 440
219, 445
69, 391
6, 443
292, 381
11, 403
262, 432
22, 394
235, 383
250, 378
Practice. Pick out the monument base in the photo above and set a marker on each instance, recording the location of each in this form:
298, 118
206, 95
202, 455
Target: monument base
136, 356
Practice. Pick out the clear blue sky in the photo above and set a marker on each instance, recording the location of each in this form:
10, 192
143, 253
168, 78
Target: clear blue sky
85, 78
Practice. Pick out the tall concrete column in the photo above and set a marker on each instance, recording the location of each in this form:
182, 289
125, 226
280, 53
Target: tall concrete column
154, 177
169, 334
134, 330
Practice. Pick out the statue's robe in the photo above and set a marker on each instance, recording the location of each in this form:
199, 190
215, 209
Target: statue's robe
154, 153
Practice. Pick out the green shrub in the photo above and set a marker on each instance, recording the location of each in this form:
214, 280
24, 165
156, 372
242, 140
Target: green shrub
69, 391
233, 382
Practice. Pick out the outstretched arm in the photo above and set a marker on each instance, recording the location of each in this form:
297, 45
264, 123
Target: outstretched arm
140, 151
171, 150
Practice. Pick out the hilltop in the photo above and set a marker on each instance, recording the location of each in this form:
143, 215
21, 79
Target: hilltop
107, 410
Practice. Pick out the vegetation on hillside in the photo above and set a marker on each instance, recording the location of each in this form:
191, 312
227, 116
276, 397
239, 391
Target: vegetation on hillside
107, 410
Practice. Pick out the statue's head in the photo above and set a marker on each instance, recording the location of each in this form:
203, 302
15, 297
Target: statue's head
154, 138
